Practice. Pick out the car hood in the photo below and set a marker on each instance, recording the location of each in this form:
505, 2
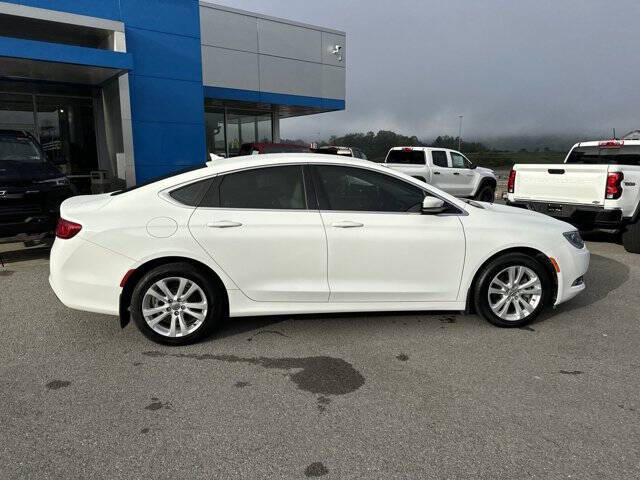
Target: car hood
522, 216
16, 173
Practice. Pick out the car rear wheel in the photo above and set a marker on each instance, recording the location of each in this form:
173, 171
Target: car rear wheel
512, 290
176, 304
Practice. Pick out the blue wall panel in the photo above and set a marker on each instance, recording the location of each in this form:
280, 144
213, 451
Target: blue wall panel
181, 17
151, 50
166, 100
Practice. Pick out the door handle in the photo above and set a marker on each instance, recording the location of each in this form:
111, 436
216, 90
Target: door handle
456, 173
347, 224
224, 224
436, 173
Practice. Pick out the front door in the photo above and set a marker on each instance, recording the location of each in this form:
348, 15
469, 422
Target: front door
380, 246
256, 225
462, 175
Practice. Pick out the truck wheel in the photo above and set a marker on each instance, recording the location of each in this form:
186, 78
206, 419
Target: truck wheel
631, 237
487, 193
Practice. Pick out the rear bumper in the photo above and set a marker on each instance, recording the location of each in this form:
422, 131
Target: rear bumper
85, 276
585, 217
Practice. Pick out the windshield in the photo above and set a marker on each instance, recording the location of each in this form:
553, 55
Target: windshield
625, 155
19, 149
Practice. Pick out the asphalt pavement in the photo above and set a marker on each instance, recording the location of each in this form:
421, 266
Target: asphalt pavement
389, 396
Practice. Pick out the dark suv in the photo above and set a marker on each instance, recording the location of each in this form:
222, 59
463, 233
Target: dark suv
31, 188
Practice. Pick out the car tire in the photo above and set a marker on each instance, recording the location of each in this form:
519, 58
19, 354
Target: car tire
184, 320
515, 298
631, 237
487, 193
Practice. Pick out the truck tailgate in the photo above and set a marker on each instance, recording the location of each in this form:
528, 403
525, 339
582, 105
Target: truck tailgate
561, 183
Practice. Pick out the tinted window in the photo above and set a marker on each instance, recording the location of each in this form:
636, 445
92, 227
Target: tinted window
191, 194
439, 158
358, 189
458, 161
629, 155
411, 157
271, 187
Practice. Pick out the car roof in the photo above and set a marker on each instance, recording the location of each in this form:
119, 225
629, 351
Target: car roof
236, 163
423, 148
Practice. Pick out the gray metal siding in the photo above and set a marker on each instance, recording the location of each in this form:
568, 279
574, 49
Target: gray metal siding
248, 51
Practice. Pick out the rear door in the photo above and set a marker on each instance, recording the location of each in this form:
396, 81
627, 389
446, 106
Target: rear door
440, 171
257, 225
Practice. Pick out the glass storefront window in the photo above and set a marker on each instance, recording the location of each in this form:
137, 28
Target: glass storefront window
240, 126
16, 112
215, 131
67, 132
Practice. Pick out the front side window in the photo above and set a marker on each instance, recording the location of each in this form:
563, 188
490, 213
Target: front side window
439, 158
458, 161
363, 190
263, 188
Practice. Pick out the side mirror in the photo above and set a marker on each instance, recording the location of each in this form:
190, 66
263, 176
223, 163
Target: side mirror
432, 206
472, 165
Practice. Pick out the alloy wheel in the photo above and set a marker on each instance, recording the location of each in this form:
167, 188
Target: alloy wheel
514, 293
174, 306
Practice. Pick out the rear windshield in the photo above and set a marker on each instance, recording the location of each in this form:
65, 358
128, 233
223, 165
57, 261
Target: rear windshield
19, 149
626, 155
411, 157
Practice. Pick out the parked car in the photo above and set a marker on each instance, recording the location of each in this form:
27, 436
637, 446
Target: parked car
31, 188
446, 169
296, 233
258, 148
342, 151
597, 187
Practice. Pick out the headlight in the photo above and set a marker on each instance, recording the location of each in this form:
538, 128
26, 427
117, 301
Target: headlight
574, 239
58, 182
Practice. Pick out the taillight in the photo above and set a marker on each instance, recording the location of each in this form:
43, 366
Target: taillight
614, 185
512, 181
66, 229
611, 144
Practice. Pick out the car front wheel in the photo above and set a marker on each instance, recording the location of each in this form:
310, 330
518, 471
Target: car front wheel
512, 290
176, 304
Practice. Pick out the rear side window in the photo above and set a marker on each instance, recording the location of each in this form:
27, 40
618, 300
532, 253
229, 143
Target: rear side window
191, 194
439, 158
407, 157
263, 188
629, 155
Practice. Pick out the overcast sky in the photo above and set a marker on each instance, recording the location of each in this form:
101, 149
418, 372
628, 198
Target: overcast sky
511, 67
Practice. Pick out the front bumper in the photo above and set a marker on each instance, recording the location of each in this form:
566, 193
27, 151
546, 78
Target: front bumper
573, 265
86, 276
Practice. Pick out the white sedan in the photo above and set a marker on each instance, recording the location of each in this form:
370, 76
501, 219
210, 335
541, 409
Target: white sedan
303, 233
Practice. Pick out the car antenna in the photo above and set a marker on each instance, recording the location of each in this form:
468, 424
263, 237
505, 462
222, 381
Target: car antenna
614, 133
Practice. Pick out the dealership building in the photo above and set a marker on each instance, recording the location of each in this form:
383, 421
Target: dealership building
141, 88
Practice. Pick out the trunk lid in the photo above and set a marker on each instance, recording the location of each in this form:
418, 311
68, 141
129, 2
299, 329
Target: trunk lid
561, 183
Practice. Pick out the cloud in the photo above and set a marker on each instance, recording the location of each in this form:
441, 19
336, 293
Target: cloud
510, 67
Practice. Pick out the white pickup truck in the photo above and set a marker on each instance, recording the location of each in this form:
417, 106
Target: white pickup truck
445, 169
597, 187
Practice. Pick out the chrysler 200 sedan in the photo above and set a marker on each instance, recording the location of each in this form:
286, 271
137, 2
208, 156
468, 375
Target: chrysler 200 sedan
303, 233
